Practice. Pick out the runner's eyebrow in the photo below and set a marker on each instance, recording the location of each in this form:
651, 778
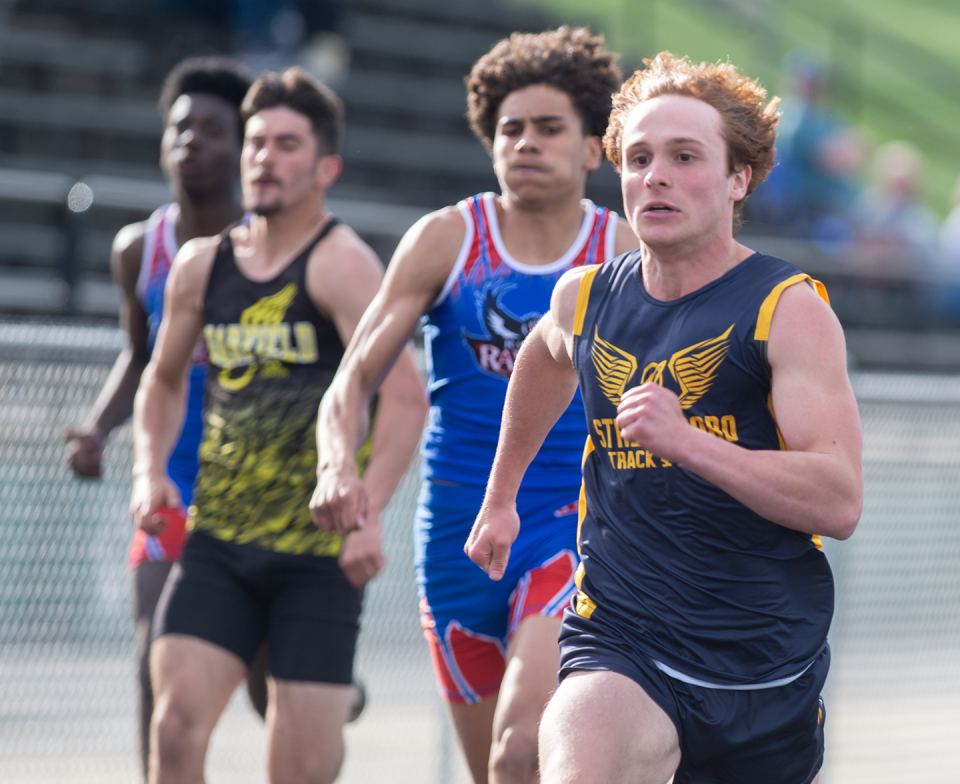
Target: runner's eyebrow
543, 118
678, 142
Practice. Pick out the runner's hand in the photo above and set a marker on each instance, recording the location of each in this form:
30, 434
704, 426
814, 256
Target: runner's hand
340, 501
651, 416
362, 558
150, 496
84, 452
493, 532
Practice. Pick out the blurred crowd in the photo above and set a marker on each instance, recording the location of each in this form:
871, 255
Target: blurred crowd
859, 203
275, 34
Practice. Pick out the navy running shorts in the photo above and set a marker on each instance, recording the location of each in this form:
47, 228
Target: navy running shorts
727, 736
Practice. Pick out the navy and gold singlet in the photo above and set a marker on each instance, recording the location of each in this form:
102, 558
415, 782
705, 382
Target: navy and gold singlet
707, 588
272, 356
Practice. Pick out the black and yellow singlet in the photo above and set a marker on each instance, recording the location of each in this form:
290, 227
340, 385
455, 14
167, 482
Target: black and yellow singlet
707, 588
272, 356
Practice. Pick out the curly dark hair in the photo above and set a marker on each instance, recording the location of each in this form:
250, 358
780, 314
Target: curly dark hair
749, 120
298, 90
570, 59
218, 76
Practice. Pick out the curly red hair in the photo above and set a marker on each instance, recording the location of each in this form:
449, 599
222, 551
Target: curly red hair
749, 120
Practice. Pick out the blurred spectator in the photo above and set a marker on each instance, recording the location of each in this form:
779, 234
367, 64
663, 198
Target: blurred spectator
946, 298
275, 34
812, 189
950, 236
896, 230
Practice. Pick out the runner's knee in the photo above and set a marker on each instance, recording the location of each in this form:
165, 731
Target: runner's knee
307, 766
514, 754
177, 738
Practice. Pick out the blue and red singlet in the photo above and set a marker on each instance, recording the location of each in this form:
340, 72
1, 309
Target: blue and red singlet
472, 333
159, 249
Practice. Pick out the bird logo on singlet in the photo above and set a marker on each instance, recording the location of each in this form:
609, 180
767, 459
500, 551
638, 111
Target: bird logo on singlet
694, 368
496, 352
614, 366
253, 348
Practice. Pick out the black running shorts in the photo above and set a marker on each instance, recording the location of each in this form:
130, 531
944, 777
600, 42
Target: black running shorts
238, 595
773, 735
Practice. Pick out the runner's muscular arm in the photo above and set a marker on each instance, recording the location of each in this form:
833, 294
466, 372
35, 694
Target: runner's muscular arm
416, 275
817, 486
114, 404
541, 387
343, 281
161, 400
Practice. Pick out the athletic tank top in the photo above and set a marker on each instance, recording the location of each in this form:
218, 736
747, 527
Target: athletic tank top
159, 249
472, 334
714, 591
272, 356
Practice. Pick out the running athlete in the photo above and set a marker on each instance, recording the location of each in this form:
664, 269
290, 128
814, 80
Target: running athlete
275, 301
481, 274
200, 156
724, 441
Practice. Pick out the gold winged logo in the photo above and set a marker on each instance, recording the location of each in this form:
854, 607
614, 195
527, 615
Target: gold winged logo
695, 367
267, 310
615, 367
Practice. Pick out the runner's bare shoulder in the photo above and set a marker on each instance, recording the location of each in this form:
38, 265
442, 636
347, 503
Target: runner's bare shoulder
191, 268
429, 250
126, 255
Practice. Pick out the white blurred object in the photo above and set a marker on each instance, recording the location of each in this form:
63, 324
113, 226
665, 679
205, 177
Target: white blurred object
327, 56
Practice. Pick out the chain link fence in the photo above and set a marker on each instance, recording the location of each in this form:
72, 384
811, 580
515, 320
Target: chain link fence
67, 674
67, 698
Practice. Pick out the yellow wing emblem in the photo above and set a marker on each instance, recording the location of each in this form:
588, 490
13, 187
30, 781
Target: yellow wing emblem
695, 367
615, 367
267, 310
272, 309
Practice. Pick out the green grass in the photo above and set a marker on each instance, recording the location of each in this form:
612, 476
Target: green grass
896, 62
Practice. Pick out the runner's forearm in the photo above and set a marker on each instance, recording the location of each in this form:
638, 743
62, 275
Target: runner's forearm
157, 418
401, 411
343, 420
812, 492
114, 405
539, 392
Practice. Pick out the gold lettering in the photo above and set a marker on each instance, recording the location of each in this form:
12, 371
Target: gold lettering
250, 340
219, 339
607, 423
287, 353
613, 463
650, 463
697, 422
306, 343
209, 334
729, 426
631, 462
641, 463
232, 344
598, 426
271, 342
621, 460
666, 463
616, 429
713, 426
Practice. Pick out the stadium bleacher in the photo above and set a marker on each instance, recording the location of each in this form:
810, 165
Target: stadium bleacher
78, 103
